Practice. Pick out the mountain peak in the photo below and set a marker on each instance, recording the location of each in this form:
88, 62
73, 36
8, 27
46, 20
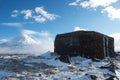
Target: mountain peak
22, 40
26, 39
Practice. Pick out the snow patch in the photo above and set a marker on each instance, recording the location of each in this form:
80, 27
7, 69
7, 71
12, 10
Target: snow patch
46, 55
54, 62
3, 74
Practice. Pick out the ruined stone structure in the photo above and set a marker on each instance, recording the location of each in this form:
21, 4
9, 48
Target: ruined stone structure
89, 44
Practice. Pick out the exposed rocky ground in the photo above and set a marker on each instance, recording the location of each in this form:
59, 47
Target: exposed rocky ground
47, 67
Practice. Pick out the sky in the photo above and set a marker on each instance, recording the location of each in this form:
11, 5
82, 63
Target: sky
52, 17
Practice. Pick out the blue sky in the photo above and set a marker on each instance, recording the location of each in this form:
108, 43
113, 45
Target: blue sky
58, 16
68, 17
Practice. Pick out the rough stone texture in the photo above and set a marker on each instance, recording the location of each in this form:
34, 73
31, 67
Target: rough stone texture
89, 44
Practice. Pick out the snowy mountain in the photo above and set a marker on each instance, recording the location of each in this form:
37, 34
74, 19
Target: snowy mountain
21, 44
20, 41
28, 42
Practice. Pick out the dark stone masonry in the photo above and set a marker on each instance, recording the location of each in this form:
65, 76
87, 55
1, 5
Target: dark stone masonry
88, 44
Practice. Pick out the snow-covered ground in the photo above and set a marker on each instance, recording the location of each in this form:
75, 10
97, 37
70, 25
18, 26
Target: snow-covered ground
48, 67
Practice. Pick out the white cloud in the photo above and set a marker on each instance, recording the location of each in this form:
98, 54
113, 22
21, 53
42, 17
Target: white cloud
3, 40
116, 37
28, 13
28, 32
39, 14
112, 12
49, 16
29, 42
97, 3
13, 24
15, 13
106, 6
44, 33
74, 3
93, 3
78, 29
39, 19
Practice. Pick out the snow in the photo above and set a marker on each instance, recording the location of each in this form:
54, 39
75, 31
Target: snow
83, 78
47, 67
117, 73
46, 55
3, 74
54, 62
86, 63
99, 64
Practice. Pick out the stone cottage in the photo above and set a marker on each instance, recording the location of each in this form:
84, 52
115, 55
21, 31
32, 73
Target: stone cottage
89, 44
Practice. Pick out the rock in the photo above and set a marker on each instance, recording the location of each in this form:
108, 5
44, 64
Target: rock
64, 58
111, 78
110, 66
94, 77
69, 78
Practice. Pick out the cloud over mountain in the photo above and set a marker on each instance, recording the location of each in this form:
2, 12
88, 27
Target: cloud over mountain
30, 42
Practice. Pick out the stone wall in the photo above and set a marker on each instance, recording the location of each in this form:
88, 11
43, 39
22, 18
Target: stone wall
85, 43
